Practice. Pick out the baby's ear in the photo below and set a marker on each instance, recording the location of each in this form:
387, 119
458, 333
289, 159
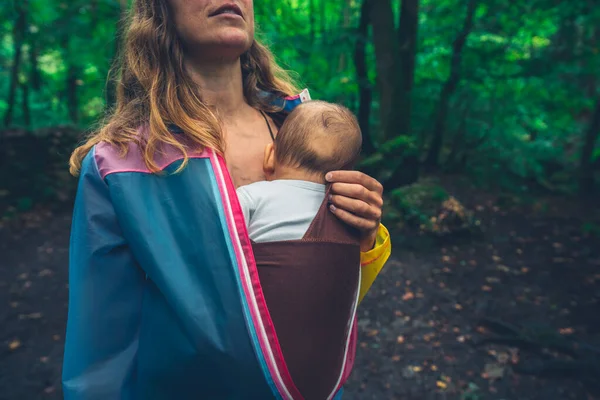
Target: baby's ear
269, 160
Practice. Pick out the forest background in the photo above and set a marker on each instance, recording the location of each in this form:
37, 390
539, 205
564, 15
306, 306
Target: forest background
480, 117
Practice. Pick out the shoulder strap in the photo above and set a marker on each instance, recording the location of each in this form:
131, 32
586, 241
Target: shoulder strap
268, 125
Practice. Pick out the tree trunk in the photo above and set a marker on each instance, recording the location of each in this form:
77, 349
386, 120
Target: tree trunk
365, 91
458, 140
25, 103
111, 92
19, 37
382, 20
586, 171
406, 56
449, 88
346, 24
36, 80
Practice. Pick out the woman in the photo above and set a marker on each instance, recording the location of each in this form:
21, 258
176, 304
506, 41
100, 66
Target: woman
165, 301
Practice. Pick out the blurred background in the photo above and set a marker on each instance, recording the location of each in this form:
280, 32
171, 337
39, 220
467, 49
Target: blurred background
481, 118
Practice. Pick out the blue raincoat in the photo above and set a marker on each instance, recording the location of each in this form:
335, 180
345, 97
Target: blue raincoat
165, 301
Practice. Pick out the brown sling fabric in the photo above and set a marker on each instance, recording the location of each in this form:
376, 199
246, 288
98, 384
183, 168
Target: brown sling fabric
310, 287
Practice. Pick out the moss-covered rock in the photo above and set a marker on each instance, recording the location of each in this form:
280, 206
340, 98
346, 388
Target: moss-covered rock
427, 207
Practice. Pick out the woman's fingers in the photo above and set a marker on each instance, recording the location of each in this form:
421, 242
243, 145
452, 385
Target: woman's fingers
357, 200
362, 224
359, 192
355, 177
359, 208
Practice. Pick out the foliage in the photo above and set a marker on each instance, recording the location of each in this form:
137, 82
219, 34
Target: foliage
518, 107
427, 208
24, 156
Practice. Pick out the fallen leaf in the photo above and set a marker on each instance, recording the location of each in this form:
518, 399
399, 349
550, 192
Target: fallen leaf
566, 331
458, 306
15, 344
417, 368
408, 296
395, 358
496, 259
400, 339
441, 385
372, 332
486, 288
433, 367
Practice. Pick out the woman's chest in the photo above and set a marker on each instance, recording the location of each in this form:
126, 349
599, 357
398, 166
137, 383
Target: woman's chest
244, 153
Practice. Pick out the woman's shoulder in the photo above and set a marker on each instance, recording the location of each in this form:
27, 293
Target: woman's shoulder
115, 157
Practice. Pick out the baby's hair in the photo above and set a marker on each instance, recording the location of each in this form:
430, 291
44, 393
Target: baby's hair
319, 137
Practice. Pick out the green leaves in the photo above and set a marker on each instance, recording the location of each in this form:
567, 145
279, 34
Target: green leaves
526, 91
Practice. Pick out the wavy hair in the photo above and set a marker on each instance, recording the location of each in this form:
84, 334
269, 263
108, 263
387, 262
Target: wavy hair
154, 91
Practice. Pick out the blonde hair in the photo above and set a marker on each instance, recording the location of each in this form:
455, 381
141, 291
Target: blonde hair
156, 93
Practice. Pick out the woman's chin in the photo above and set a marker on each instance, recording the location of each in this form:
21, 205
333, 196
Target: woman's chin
232, 38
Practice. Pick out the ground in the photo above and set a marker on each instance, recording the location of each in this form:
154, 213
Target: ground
418, 325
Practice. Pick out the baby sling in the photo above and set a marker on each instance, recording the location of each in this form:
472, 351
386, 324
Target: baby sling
311, 288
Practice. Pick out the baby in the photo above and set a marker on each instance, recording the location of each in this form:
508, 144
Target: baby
308, 261
316, 138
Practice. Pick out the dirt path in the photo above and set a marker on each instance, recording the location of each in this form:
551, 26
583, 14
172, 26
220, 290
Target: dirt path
416, 326
33, 309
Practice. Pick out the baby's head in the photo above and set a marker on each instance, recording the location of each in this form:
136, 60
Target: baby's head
317, 137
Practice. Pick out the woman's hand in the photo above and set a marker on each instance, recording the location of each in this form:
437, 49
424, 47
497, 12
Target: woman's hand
357, 199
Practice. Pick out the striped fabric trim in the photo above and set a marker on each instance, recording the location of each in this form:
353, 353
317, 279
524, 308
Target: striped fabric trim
266, 344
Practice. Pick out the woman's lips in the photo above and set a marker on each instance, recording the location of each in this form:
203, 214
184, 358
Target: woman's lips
228, 10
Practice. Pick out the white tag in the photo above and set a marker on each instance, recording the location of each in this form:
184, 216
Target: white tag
304, 96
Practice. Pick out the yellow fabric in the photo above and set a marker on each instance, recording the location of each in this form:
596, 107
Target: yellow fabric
373, 260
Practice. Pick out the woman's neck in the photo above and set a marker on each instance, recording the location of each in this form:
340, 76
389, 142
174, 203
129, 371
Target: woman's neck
221, 86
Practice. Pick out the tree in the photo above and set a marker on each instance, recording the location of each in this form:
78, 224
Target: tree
450, 87
382, 20
18, 39
111, 96
365, 90
586, 171
406, 56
